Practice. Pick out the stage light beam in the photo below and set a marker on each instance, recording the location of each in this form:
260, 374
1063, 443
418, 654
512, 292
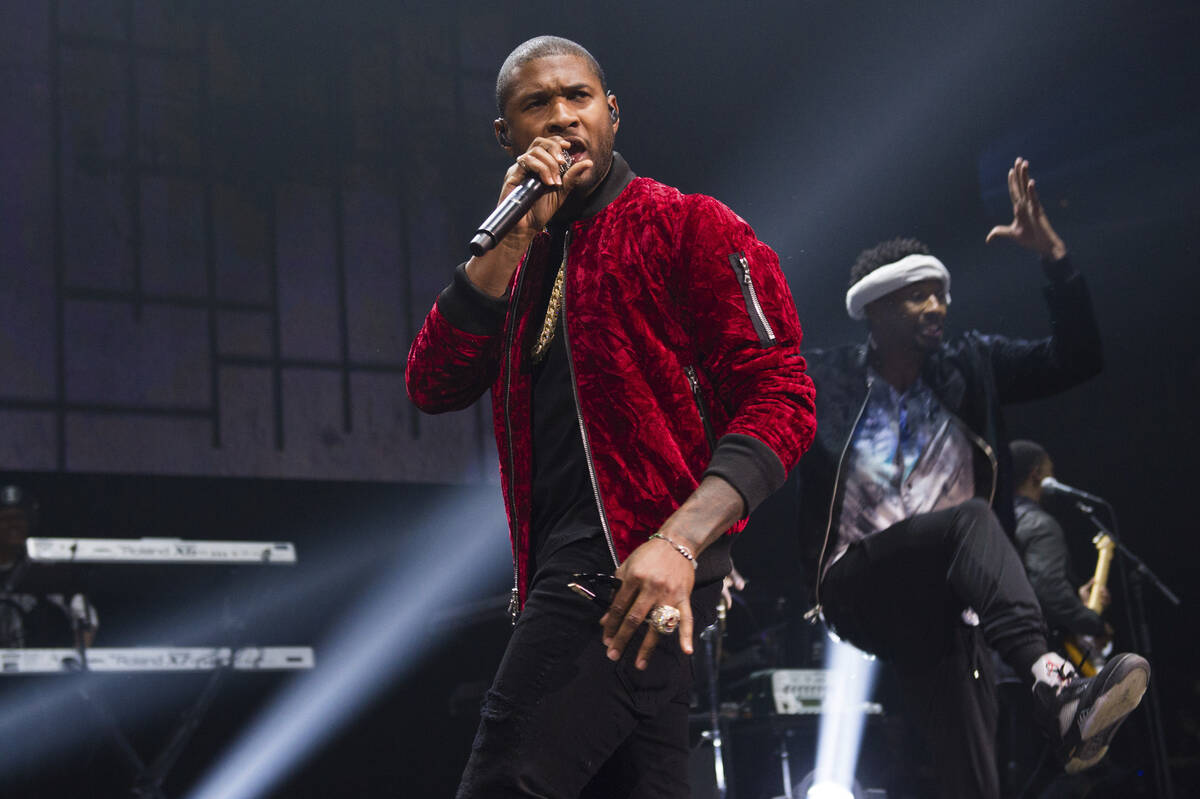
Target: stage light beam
850, 678
387, 635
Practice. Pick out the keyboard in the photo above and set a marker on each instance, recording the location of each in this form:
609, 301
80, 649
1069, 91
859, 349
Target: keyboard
156, 658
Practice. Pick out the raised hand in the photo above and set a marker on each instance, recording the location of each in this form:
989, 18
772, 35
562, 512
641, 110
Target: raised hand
1030, 228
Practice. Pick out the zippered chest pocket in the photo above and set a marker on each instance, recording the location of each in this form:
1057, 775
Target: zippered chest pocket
754, 309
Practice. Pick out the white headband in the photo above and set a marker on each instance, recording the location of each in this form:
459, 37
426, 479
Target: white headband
896, 275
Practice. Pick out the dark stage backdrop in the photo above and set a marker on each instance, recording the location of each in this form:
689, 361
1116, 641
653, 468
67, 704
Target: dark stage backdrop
221, 224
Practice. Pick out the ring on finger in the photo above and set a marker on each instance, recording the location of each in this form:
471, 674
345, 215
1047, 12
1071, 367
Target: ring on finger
664, 619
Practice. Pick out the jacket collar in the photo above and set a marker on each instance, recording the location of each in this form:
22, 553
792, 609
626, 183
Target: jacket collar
946, 381
860, 355
619, 176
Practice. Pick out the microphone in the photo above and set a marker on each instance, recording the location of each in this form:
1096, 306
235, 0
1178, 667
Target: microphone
511, 209
1052, 486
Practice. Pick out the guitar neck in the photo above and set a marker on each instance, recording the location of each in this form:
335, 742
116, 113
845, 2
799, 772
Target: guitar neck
1104, 555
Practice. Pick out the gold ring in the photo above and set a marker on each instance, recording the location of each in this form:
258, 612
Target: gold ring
664, 619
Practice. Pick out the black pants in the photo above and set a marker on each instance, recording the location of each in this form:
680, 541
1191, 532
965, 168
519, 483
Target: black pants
562, 720
900, 594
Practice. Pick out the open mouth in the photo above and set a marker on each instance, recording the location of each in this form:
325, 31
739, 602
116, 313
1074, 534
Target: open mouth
578, 150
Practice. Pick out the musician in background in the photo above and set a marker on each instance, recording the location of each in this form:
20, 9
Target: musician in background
1043, 549
1042, 545
27, 619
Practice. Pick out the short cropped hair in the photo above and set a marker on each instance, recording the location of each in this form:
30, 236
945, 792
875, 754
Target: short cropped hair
535, 48
1026, 457
882, 254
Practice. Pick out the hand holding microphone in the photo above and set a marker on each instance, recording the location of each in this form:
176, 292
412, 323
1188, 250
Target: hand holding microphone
540, 171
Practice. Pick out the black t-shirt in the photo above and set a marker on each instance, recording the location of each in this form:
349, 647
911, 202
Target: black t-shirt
564, 504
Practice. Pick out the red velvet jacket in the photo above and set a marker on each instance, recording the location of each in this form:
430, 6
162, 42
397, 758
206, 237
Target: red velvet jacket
681, 332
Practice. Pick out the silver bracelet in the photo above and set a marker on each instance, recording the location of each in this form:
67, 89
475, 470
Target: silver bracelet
680, 548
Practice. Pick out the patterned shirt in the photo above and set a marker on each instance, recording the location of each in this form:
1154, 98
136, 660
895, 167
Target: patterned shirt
908, 455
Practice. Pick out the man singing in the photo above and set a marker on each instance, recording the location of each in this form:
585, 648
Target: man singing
642, 349
907, 495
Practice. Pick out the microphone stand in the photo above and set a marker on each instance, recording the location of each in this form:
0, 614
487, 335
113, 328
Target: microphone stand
711, 636
1139, 631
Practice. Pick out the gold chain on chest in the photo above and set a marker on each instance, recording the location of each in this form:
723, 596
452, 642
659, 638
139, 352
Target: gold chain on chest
550, 323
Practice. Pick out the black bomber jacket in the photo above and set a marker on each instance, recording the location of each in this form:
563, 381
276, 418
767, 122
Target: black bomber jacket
973, 375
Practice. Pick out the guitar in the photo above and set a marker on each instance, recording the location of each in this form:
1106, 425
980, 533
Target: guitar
1087, 651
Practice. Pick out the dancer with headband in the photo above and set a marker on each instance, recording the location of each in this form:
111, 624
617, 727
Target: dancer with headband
907, 502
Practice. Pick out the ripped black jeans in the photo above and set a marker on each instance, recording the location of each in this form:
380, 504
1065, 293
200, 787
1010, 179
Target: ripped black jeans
561, 720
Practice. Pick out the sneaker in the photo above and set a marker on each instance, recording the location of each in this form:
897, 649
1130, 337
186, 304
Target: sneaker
1085, 712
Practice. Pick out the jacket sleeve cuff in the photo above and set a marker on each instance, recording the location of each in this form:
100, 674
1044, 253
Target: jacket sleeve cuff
1059, 271
469, 309
750, 466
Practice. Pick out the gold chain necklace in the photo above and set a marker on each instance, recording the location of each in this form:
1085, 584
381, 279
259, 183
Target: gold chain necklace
550, 323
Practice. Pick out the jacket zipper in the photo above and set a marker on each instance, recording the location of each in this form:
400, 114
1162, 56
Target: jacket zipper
741, 267
587, 445
514, 597
987, 450
694, 381
815, 610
